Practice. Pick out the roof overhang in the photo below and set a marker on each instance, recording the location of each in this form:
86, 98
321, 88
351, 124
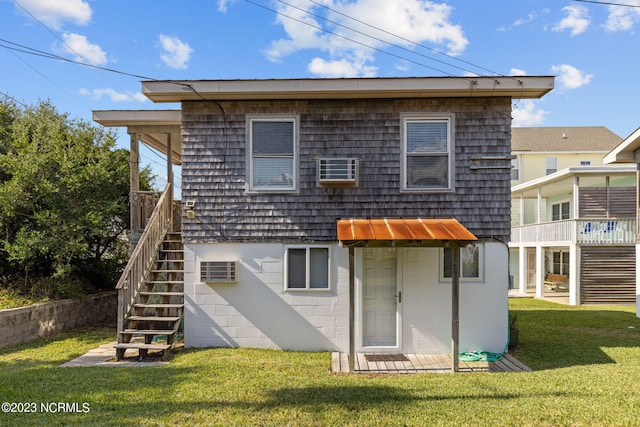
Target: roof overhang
153, 127
625, 151
347, 88
401, 232
562, 181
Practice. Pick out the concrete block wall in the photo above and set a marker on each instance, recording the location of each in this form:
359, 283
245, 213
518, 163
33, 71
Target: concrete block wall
23, 324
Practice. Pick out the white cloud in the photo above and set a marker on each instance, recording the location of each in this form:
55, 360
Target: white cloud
522, 21
55, 13
526, 113
222, 5
176, 52
115, 96
82, 49
569, 77
623, 18
423, 22
517, 72
340, 68
576, 21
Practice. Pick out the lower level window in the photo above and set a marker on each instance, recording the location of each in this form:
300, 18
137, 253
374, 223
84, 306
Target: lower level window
307, 268
470, 263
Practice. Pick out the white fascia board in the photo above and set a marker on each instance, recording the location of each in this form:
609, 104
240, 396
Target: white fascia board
625, 151
573, 171
346, 88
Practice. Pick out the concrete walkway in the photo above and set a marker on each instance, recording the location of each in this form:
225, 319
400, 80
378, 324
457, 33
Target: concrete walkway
105, 355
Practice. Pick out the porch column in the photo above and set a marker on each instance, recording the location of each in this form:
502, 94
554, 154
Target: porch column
522, 265
576, 197
170, 165
352, 299
637, 160
134, 186
539, 272
455, 305
574, 274
539, 207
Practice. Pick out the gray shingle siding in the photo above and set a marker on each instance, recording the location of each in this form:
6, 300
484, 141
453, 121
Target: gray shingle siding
214, 168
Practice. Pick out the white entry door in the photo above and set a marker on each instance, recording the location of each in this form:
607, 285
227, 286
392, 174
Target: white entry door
380, 296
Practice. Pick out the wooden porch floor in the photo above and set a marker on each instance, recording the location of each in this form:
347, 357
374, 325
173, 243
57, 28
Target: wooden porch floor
422, 363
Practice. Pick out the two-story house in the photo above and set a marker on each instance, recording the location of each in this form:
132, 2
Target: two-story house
572, 217
628, 152
354, 215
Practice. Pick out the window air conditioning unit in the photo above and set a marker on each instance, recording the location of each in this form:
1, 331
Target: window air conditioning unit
219, 271
337, 171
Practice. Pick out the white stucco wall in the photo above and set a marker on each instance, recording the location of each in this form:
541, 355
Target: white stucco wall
426, 311
257, 312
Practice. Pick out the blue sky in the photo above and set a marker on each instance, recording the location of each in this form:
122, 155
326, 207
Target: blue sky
592, 49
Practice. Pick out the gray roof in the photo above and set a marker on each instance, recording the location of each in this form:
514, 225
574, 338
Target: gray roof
566, 138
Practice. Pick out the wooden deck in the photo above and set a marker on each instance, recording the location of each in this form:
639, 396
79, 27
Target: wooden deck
421, 363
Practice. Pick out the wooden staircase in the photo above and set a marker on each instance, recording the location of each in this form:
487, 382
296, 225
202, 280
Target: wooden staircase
155, 318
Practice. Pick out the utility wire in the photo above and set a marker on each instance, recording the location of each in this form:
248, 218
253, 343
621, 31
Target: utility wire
372, 37
407, 40
350, 39
606, 3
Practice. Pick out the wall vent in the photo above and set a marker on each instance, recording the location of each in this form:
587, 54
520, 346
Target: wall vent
337, 171
219, 271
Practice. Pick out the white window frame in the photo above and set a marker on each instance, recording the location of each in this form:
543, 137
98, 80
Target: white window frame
560, 204
550, 165
480, 248
293, 187
449, 119
515, 168
307, 287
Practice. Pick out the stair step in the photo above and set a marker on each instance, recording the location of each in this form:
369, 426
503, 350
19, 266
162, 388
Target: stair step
149, 331
154, 318
163, 294
142, 346
159, 305
168, 282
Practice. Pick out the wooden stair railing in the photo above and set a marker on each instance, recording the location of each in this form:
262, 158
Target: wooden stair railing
143, 258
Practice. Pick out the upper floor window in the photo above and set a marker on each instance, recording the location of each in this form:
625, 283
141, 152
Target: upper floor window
272, 148
551, 165
427, 152
585, 162
560, 211
515, 169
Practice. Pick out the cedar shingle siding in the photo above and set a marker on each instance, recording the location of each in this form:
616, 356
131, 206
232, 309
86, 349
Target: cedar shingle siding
214, 168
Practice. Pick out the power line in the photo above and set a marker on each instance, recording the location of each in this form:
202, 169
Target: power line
370, 36
606, 3
407, 40
350, 39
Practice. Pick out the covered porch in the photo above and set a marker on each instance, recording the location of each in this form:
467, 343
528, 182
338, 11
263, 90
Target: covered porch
571, 235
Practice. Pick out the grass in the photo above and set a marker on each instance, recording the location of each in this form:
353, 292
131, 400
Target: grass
586, 363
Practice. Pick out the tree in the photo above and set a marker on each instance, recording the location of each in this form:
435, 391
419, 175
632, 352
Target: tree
64, 204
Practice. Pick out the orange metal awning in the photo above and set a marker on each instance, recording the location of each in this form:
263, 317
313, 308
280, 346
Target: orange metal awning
402, 231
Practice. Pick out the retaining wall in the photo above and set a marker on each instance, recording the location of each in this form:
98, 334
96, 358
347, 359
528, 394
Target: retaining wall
19, 325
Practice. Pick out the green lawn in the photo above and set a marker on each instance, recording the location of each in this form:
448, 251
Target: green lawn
586, 365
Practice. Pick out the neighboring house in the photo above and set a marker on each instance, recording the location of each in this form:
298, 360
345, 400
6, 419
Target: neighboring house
581, 240
329, 214
628, 151
541, 151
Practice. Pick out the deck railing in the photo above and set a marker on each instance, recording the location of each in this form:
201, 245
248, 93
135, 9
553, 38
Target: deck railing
143, 255
601, 231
